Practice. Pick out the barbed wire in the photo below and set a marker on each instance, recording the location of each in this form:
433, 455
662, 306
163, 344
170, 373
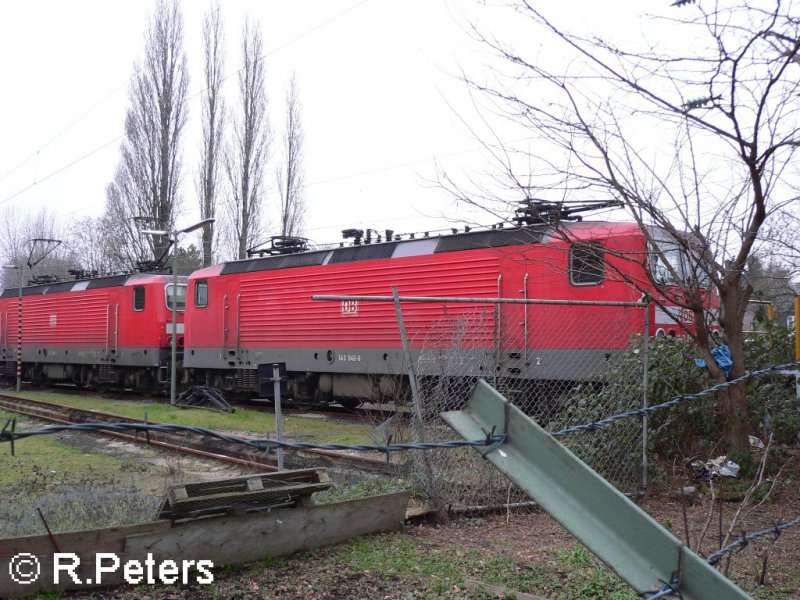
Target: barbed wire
746, 538
9, 434
491, 440
673, 587
673, 402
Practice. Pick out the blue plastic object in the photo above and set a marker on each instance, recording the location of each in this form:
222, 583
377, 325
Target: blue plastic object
722, 356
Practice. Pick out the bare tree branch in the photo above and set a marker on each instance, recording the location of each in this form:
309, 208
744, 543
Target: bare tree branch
249, 150
290, 176
213, 109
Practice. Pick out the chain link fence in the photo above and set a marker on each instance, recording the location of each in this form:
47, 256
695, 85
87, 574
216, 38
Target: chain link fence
561, 364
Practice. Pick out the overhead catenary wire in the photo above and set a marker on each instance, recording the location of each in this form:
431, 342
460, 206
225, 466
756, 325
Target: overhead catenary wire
119, 137
63, 131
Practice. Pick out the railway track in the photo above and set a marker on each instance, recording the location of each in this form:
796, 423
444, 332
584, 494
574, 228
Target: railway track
364, 413
185, 442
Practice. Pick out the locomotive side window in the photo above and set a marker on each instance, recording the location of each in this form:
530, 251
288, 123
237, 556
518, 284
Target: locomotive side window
586, 264
179, 298
138, 298
201, 294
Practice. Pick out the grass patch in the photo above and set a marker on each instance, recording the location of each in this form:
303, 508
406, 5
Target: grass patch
442, 569
379, 564
584, 577
72, 488
244, 419
371, 486
46, 457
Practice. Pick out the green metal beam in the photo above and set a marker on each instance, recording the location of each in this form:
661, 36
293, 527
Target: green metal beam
616, 530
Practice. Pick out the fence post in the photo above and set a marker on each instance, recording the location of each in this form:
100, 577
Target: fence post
797, 344
645, 386
419, 432
276, 380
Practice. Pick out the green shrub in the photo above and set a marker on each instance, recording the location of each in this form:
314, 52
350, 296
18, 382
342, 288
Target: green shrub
691, 428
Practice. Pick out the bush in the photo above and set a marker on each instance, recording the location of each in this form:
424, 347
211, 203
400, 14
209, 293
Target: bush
694, 427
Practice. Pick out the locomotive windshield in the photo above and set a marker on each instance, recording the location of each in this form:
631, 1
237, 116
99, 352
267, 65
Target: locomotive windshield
181, 296
687, 265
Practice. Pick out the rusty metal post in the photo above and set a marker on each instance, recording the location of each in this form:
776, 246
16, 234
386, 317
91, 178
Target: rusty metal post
276, 381
419, 430
19, 333
645, 388
797, 344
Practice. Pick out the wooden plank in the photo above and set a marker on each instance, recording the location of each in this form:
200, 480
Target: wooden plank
241, 497
253, 537
102, 540
310, 475
237, 495
223, 541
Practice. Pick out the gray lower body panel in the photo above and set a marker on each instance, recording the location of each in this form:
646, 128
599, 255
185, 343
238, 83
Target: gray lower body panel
544, 364
127, 357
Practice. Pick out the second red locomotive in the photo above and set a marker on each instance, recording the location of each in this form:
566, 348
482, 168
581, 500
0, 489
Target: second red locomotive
108, 331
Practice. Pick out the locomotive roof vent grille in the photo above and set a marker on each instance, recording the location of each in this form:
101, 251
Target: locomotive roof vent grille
64, 286
270, 263
490, 239
354, 253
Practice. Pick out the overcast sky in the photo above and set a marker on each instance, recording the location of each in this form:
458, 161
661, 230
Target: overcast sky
378, 79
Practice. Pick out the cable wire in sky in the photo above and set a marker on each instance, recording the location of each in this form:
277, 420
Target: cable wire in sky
106, 144
63, 131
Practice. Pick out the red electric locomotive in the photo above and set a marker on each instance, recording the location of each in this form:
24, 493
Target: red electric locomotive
244, 314
113, 331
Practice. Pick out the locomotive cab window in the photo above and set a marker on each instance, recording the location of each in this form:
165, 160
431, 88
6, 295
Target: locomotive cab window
138, 298
201, 294
586, 264
179, 298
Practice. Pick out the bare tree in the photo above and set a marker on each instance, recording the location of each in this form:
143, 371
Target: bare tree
597, 116
147, 181
290, 175
32, 241
247, 156
92, 247
213, 126
128, 246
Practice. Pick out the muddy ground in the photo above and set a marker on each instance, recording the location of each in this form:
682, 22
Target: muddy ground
521, 553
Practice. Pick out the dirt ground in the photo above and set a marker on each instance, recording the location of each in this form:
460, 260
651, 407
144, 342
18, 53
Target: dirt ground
541, 555
520, 554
